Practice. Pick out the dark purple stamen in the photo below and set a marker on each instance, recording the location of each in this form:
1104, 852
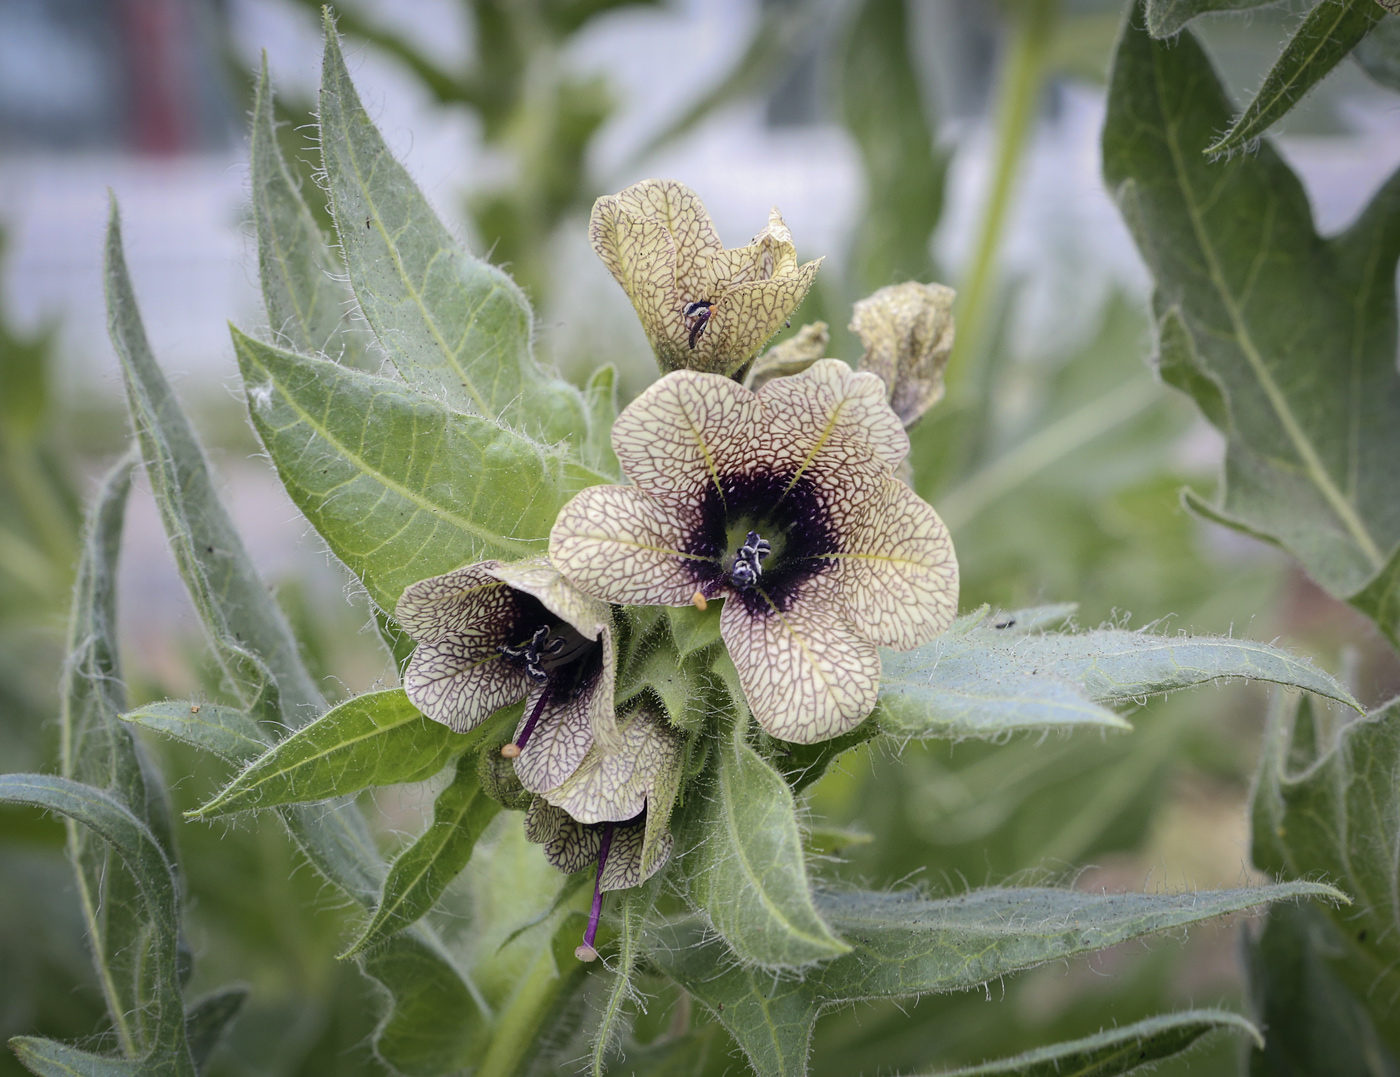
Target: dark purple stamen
748, 561
586, 952
524, 737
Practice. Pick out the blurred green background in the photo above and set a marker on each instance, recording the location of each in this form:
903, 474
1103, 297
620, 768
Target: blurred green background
939, 140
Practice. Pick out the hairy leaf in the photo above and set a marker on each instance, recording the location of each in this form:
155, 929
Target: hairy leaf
434, 1023
1331, 30
420, 873
457, 328
400, 487
378, 738
1316, 1024
991, 675
48, 1058
226, 731
160, 1017
1327, 805
904, 945
1286, 340
307, 304
1117, 1050
1167, 17
95, 748
208, 1018
252, 639
743, 858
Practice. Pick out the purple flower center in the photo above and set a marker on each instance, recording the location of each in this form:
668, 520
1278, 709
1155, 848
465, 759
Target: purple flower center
787, 537
553, 654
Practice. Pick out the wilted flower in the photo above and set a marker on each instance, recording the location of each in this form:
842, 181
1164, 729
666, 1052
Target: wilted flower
614, 810
907, 330
792, 356
784, 502
491, 634
703, 307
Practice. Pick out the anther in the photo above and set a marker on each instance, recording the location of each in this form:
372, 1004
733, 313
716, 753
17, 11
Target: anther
748, 561
512, 751
699, 601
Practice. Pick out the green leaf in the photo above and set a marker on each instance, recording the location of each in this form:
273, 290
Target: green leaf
252, 639
1315, 1023
400, 487
211, 727
48, 1058
161, 1017
420, 873
434, 1024
307, 302
95, 748
1331, 30
600, 397
743, 859
1327, 806
1167, 17
988, 675
208, 1018
1117, 1050
1286, 339
378, 738
904, 172
457, 328
904, 945
693, 630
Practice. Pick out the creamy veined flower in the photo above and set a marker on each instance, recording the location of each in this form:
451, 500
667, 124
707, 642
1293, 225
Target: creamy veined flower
615, 810
491, 634
703, 307
784, 502
907, 330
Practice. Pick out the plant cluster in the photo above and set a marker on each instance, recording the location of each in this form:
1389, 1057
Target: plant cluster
638, 638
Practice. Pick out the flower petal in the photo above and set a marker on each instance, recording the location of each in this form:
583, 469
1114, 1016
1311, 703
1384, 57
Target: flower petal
460, 680
683, 433
593, 620
679, 210
468, 601
807, 674
907, 330
616, 543
560, 740
833, 417
834, 429
896, 577
748, 314
612, 786
624, 868
568, 845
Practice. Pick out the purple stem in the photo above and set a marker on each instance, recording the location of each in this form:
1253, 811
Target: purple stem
524, 737
592, 932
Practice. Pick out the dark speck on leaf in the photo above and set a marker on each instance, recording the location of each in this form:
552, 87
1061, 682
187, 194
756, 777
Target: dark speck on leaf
1361, 935
1004, 624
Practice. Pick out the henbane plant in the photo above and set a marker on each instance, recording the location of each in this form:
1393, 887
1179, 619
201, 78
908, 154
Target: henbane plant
635, 639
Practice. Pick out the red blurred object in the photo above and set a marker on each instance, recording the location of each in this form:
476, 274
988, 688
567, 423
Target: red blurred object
155, 33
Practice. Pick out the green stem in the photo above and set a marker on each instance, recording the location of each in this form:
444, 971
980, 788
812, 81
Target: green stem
518, 1024
1019, 84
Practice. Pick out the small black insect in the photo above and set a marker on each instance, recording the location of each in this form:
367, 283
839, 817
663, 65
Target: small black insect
1007, 623
697, 316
